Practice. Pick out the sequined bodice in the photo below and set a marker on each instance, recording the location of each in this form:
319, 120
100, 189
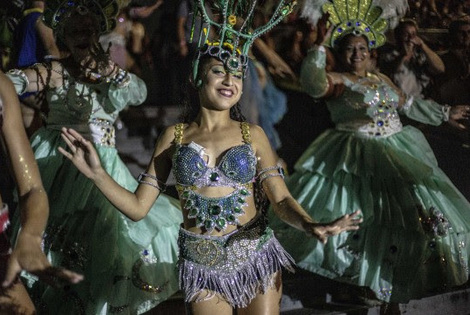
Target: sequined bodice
237, 166
366, 107
236, 169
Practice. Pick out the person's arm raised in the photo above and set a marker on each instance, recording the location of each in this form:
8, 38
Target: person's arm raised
134, 205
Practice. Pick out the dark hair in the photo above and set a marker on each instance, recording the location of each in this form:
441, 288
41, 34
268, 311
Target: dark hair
398, 31
453, 29
191, 103
59, 31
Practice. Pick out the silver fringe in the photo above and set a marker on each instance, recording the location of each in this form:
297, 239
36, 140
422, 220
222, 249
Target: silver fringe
237, 283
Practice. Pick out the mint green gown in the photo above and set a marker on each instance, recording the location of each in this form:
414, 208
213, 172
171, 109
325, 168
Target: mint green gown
415, 237
129, 267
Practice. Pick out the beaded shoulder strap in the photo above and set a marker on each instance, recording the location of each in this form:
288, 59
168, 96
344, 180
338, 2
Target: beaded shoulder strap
179, 133
246, 132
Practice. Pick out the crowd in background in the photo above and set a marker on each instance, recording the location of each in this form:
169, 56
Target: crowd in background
152, 39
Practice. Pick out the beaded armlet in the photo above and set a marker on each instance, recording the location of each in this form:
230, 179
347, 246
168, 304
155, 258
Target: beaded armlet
265, 173
158, 183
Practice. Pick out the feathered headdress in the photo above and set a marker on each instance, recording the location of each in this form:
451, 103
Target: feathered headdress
370, 18
57, 11
227, 32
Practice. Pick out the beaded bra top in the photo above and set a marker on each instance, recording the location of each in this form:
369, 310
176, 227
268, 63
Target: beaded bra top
237, 169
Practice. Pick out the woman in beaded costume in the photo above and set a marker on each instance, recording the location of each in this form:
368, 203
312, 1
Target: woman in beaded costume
416, 230
229, 258
26, 254
128, 267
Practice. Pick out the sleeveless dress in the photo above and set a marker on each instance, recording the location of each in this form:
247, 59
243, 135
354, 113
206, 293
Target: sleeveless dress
416, 230
129, 267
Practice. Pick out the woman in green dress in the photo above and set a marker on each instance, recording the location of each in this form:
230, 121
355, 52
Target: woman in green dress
416, 230
128, 267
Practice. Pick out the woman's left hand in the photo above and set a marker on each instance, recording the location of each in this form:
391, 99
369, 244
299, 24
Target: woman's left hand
457, 113
348, 222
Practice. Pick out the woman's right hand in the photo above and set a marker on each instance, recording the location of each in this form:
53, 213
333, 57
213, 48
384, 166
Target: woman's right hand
82, 153
323, 31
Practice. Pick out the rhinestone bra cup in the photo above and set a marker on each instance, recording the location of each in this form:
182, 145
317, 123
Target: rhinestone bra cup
236, 169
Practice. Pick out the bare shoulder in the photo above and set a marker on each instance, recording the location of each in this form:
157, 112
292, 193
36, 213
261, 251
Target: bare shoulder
259, 139
256, 131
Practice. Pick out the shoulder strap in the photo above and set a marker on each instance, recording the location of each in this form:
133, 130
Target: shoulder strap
179, 133
246, 132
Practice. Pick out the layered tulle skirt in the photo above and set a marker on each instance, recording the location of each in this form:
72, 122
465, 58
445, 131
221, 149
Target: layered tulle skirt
415, 237
129, 267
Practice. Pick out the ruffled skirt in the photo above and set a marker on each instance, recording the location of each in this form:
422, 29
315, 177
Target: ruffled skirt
129, 267
416, 231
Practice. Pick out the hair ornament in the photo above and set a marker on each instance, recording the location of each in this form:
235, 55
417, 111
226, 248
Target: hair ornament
227, 32
56, 12
371, 18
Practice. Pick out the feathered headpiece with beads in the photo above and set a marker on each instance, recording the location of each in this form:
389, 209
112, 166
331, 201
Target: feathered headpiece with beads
227, 32
56, 12
370, 18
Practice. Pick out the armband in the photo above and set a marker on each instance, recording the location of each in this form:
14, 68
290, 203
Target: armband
121, 79
24, 79
161, 186
268, 172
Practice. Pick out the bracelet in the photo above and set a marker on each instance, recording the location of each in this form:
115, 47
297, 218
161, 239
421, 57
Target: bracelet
121, 79
155, 185
24, 79
264, 173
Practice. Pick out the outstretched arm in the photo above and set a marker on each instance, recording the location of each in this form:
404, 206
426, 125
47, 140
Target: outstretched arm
33, 204
284, 205
134, 205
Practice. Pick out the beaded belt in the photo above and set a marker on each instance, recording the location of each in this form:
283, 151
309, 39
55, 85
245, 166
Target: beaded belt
236, 266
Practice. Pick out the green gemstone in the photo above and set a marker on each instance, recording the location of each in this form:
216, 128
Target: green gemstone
221, 223
193, 212
216, 210
214, 177
231, 218
189, 203
241, 200
285, 10
237, 210
244, 192
185, 194
209, 224
234, 63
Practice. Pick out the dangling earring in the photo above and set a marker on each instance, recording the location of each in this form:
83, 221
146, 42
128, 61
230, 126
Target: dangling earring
198, 83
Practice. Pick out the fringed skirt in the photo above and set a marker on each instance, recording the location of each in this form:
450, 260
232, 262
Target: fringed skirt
235, 266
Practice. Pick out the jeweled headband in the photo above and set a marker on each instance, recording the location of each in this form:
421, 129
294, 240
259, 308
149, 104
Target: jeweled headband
56, 12
370, 18
230, 36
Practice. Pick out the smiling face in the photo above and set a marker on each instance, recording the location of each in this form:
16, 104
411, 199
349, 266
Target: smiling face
220, 89
354, 53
